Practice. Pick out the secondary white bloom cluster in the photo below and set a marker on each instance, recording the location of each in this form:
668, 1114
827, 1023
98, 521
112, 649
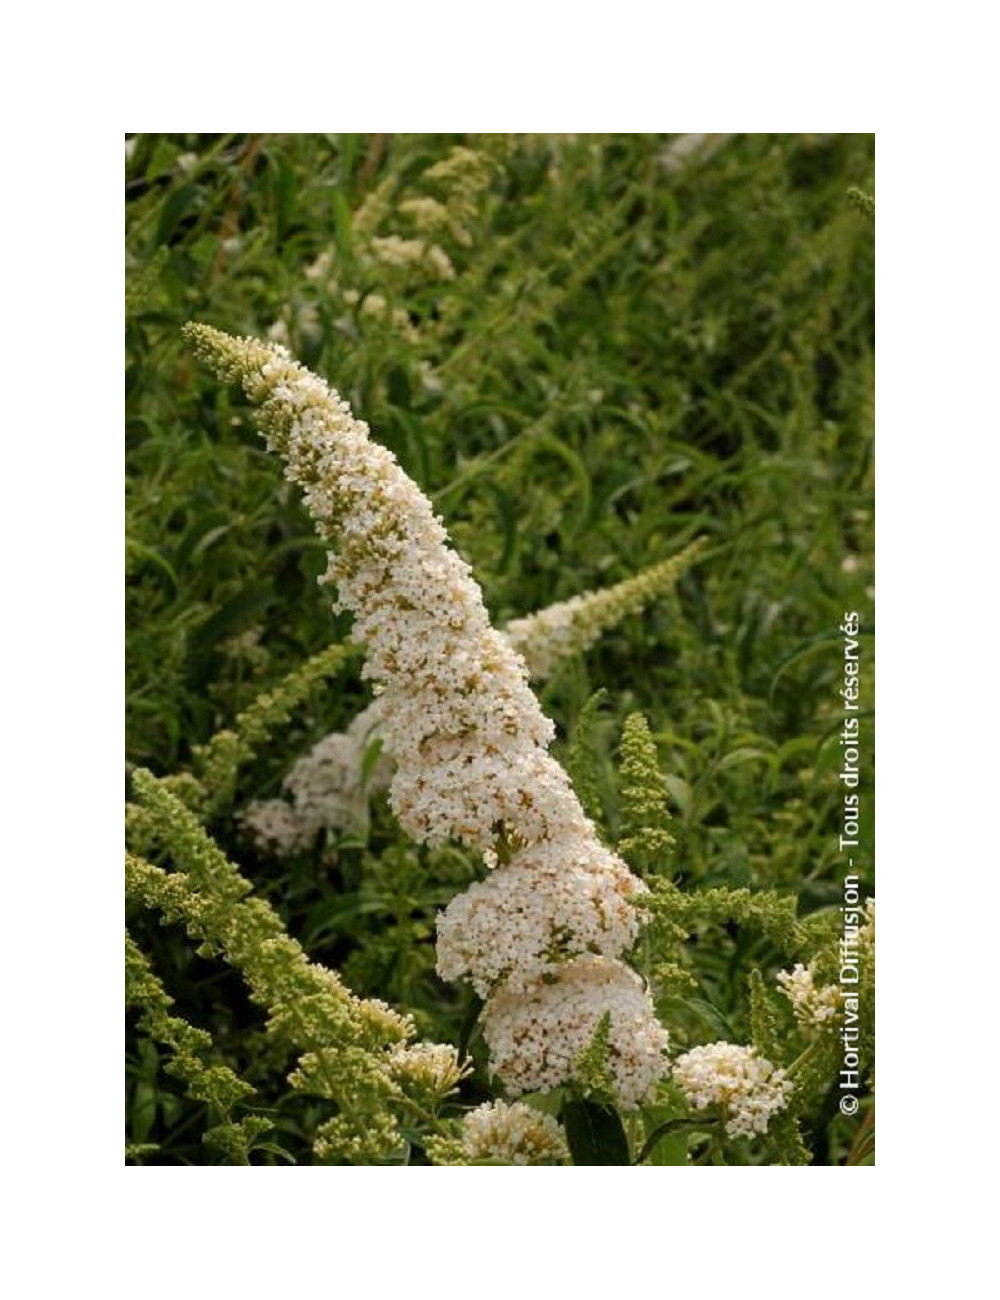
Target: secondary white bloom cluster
516, 1134
328, 792
430, 216
812, 1004
463, 174
538, 1031
746, 1087
327, 788
392, 250
573, 626
376, 307
403, 244
275, 827
468, 736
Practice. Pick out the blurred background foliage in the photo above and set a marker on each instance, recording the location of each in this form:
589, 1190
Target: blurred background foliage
635, 340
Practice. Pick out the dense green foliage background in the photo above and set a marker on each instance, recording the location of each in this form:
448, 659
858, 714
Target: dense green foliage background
637, 348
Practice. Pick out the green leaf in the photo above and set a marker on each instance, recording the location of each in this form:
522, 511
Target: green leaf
583, 761
508, 513
666, 1128
680, 793
709, 1015
550, 1103
143, 1113
745, 754
545, 442
284, 191
342, 224
595, 1134
273, 1149
178, 204
237, 614
671, 1149
144, 552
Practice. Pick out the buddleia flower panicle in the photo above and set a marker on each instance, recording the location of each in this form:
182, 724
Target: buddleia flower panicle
217, 1085
392, 250
646, 841
516, 1134
276, 828
428, 1071
431, 217
346, 1045
813, 1005
210, 894
745, 1087
500, 1133
463, 174
571, 627
468, 736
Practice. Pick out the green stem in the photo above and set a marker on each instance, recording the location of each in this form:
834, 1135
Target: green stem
803, 1058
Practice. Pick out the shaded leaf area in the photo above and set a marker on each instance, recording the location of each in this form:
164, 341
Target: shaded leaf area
595, 1134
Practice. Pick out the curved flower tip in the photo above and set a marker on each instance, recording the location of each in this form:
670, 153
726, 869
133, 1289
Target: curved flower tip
231, 358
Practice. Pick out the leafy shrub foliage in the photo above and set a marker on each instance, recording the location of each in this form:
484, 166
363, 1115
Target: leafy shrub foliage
589, 352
